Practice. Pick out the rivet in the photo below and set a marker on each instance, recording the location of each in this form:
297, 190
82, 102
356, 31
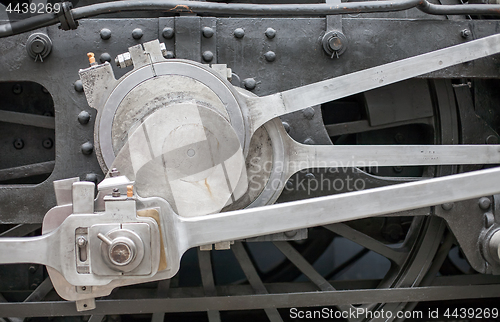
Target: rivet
310, 176
249, 83
167, 33
32, 269
78, 86
18, 144
84, 117
397, 169
87, 148
270, 33
137, 33
239, 33
169, 54
47, 143
207, 32
105, 57
400, 138
286, 126
447, 206
105, 33
290, 233
309, 141
484, 203
289, 185
308, 113
91, 177
207, 56
44, 90
492, 139
270, 56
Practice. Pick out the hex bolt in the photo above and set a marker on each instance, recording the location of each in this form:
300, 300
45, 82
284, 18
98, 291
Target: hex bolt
81, 241
286, 126
249, 83
105, 57
484, 203
114, 172
447, 206
167, 33
84, 117
208, 56
105, 33
18, 144
78, 85
270, 33
17, 89
87, 148
308, 113
48, 143
116, 192
309, 141
137, 33
270, 56
310, 176
465, 33
492, 139
207, 32
239, 33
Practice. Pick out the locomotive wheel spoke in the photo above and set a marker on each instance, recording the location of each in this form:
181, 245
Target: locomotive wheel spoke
395, 255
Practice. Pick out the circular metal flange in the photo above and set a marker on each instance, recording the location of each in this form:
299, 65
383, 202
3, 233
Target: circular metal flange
334, 43
180, 81
126, 251
38, 45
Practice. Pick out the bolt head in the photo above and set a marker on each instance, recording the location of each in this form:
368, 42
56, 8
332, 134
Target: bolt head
290, 233
447, 206
270, 33
91, 177
286, 126
105, 57
81, 241
137, 33
167, 33
335, 43
310, 176
47, 143
289, 185
492, 139
105, 34
87, 148
17, 89
78, 85
84, 117
38, 46
239, 33
249, 83
270, 56
207, 32
309, 141
465, 33
120, 254
484, 203
18, 144
207, 56
308, 113
169, 54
